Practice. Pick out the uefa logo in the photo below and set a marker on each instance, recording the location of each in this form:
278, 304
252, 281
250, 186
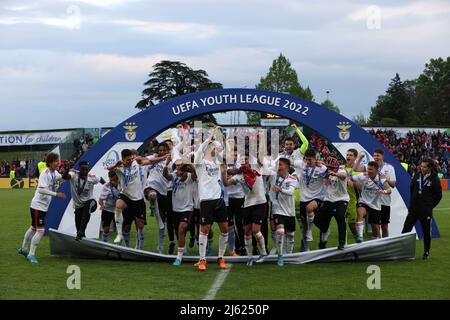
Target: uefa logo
111, 158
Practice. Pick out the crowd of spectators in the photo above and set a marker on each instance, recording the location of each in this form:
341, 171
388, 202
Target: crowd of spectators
22, 168
416, 145
82, 145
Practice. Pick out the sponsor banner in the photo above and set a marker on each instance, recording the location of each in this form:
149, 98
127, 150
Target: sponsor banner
24, 139
20, 183
7, 183
274, 122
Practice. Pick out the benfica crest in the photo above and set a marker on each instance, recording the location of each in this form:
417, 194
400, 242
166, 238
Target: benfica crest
344, 133
130, 134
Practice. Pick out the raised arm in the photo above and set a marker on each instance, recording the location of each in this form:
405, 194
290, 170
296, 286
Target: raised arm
358, 166
226, 181
115, 166
145, 161
66, 174
341, 175
191, 169
200, 153
304, 140
166, 173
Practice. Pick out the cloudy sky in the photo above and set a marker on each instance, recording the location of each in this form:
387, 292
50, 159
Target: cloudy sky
82, 63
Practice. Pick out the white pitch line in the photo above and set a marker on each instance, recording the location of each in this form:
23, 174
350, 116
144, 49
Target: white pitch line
442, 209
217, 284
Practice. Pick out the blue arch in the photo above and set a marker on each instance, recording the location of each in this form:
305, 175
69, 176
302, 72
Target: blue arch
156, 119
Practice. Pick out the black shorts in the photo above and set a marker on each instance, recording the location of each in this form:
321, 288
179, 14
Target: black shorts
83, 209
128, 216
234, 209
196, 216
163, 200
185, 216
213, 210
255, 214
107, 218
287, 222
37, 218
135, 209
385, 214
303, 205
374, 215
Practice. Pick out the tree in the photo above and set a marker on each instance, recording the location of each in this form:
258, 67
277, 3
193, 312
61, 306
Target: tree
431, 100
280, 78
330, 105
360, 119
394, 106
171, 79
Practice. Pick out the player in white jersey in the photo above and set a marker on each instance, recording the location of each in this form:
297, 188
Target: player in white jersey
131, 196
290, 152
46, 189
182, 179
387, 172
334, 204
108, 197
255, 206
211, 195
372, 187
156, 188
283, 207
172, 228
311, 179
82, 188
236, 199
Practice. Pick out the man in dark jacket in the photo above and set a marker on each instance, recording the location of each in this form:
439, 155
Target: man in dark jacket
426, 192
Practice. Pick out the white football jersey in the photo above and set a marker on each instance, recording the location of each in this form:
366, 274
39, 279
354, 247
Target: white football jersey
182, 197
82, 189
47, 180
209, 181
130, 181
311, 180
370, 188
389, 171
336, 188
254, 196
155, 179
283, 203
110, 195
235, 191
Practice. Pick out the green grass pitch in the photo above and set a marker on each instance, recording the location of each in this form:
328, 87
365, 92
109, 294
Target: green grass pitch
138, 280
